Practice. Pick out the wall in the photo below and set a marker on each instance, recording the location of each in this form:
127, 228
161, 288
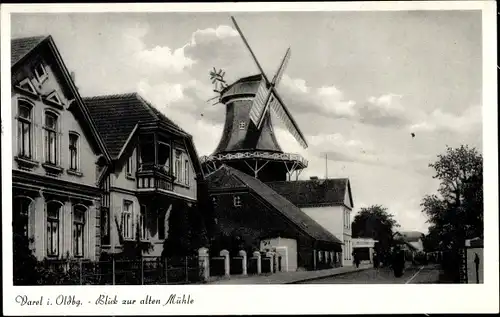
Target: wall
290, 245
332, 218
66, 123
471, 266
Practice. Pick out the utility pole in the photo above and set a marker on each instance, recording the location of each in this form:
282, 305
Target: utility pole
326, 165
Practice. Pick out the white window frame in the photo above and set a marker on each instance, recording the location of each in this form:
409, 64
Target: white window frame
185, 170
237, 201
59, 222
84, 229
178, 155
47, 132
29, 121
128, 219
77, 135
143, 227
40, 77
129, 166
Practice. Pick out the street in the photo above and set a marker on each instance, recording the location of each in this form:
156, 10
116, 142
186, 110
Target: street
412, 275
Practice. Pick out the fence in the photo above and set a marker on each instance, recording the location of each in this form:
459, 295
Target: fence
146, 271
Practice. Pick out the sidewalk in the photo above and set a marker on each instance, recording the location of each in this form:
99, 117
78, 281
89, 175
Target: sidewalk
289, 277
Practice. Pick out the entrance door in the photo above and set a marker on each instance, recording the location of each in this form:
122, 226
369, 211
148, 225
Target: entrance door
283, 253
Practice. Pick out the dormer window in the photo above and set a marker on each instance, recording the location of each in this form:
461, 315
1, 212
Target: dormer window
40, 73
237, 201
242, 125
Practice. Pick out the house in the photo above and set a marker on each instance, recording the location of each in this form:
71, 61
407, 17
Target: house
413, 238
327, 201
155, 172
58, 158
260, 218
364, 248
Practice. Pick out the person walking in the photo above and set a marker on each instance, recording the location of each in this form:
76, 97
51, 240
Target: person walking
476, 261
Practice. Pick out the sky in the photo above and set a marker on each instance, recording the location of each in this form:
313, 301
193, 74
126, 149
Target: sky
357, 83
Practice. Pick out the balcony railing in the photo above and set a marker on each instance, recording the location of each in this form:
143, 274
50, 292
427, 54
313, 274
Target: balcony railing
151, 176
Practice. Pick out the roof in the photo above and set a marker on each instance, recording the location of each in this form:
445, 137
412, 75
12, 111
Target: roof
126, 109
20, 47
411, 236
314, 193
305, 223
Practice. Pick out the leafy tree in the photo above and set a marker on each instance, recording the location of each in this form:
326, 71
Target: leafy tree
456, 212
376, 223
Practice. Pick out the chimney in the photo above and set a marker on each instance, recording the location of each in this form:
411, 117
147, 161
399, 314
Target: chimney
73, 77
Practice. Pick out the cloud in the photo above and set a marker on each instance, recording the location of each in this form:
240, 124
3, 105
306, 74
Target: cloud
385, 110
438, 121
327, 100
164, 57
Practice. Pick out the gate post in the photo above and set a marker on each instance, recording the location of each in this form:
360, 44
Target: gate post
243, 254
270, 255
225, 254
256, 255
204, 264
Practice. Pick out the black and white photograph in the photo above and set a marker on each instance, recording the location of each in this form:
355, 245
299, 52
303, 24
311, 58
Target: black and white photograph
228, 148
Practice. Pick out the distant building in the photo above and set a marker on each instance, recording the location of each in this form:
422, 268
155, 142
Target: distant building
414, 238
327, 201
154, 176
364, 248
249, 210
59, 159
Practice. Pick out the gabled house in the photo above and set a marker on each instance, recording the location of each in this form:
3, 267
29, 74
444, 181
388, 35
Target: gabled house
327, 201
412, 239
155, 171
256, 215
58, 158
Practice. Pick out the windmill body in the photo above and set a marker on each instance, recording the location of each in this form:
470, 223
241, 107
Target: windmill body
248, 141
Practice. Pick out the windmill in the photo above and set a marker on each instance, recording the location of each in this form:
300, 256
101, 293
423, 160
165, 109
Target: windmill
267, 96
248, 141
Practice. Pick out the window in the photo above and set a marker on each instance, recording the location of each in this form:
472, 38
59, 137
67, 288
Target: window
161, 224
20, 216
51, 138
178, 163
127, 219
147, 150
237, 201
143, 224
130, 165
164, 154
78, 230
24, 129
186, 172
105, 225
320, 256
40, 73
242, 125
73, 151
53, 214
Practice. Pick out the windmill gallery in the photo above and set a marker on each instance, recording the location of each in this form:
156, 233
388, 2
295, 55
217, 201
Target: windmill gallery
132, 174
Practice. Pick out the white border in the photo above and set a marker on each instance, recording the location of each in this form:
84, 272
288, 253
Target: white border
272, 299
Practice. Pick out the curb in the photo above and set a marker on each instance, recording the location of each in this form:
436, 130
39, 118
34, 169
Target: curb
325, 276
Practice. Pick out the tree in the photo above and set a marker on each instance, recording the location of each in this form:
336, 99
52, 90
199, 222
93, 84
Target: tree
376, 223
456, 212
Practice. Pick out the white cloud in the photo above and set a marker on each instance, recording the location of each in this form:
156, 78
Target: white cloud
209, 34
161, 94
163, 57
438, 120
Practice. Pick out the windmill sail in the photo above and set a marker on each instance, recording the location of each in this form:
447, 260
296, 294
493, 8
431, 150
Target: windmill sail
281, 69
259, 103
278, 107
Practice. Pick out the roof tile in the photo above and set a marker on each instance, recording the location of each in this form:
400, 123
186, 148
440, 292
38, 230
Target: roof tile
20, 47
280, 203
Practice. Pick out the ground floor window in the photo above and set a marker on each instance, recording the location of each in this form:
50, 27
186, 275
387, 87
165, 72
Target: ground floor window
142, 223
127, 219
53, 225
78, 230
20, 216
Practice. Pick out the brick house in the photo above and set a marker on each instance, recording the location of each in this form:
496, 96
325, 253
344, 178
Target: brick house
58, 158
155, 175
327, 201
255, 214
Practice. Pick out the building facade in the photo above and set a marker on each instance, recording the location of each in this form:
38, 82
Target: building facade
58, 157
260, 219
329, 202
154, 175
